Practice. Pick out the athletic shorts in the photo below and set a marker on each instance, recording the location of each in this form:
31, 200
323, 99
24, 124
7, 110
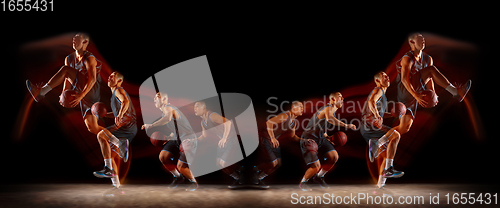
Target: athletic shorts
267, 153
370, 133
173, 146
312, 154
127, 131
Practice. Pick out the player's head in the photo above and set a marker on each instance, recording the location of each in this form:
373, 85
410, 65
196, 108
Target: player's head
381, 79
297, 108
115, 79
81, 41
336, 99
200, 108
161, 99
416, 41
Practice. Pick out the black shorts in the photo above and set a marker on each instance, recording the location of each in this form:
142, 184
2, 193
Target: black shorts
368, 132
173, 146
127, 131
231, 152
312, 155
405, 97
267, 153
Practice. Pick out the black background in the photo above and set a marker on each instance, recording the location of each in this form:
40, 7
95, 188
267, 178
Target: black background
249, 56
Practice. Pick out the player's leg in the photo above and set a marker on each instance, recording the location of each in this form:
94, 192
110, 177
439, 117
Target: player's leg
167, 158
109, 170
183, 167
331, 157
432, 74
64, 73
91, 124
310, 172
405, 123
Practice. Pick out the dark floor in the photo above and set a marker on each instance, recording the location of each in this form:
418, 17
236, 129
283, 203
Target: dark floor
90, 195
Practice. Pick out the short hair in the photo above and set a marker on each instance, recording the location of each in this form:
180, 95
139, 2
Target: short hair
202, 103
118, 75
377, 76
85, 36
411, 36
333, 94
162, 95
295, 103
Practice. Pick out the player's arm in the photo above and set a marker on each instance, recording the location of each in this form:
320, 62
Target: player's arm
294, 136
406, 63
218, 119
162, 121
203, 133
280, 118
91, 65
331, 119
122, 97
372, 104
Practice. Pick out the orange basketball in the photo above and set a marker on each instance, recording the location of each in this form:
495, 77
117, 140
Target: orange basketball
339, 139
157, 139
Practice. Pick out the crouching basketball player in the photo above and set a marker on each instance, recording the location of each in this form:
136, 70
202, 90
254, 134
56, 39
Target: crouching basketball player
278, 128
120, 134
315, 142
173, 156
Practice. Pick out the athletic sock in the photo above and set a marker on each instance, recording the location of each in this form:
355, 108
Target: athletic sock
262, 175
304, 180
388, 163
116, 181
384, 139
322, 172
175, 173
192, 180
235, 175
452, 89
45, 89
381, 181
108, 163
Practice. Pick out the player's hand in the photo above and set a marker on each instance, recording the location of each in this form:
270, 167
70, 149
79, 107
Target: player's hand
351, 126
118, 120
275, 143
222, 143
421, 101
145, 126
78, 98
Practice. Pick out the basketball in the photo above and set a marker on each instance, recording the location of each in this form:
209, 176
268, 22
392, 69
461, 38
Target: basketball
99, 110
398, 110
430, 97
339, 139
66, 98
157, 138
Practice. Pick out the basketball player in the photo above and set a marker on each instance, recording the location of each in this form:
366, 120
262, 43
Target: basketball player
216, 133
174, 121
416, 73
279, 128
315, 142
121, 133
376, 133
81, 72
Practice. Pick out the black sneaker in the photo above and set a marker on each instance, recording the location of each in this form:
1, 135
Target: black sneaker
320, 181
105, 173
391, 173
193, 185
255, 177
304, 187
176, 181
124, 147
262, 185
235, 183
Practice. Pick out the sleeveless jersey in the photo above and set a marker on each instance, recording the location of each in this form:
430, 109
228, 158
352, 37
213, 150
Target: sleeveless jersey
129, 119
184, 129
317, 127
381, 105
285, 128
